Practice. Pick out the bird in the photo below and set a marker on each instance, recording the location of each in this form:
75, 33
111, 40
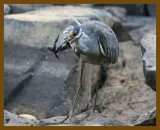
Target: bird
93, 42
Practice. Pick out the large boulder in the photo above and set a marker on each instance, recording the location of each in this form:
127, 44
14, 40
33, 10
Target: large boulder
132, 9
146, 24
39, 28
35, 81
148, 45
21, 8
136, 25
118, 12
137, 34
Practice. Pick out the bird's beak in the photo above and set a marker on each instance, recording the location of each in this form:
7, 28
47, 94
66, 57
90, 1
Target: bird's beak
60, 45
61, 42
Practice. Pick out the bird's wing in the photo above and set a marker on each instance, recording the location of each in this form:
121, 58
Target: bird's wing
109, 45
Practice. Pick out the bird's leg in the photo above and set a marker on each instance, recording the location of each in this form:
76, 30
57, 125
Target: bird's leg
70, 115
94, 103
91, 113
80, 87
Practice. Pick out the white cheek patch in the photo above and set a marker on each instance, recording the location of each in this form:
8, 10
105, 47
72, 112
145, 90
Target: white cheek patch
68, 30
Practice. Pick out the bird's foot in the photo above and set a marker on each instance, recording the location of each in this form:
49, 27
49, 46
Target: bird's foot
70, 116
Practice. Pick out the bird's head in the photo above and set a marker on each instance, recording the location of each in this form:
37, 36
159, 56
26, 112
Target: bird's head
70, 35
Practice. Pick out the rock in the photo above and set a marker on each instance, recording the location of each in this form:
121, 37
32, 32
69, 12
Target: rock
82, 120
141, 20
124, 95
151, 9
39, 28
134, 9
7, 9
102, 121
148, 46
28, 116
118, 12
21, 8
11, 119
48, 85
132, 23
146, 24
35, 81
137, 34
147, 119
34, 77
124, 27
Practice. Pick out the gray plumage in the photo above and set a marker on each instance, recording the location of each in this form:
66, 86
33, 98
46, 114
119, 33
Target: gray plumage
94, 42
98, 44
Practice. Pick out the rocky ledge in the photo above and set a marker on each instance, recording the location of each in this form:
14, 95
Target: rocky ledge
148, 46
11, 119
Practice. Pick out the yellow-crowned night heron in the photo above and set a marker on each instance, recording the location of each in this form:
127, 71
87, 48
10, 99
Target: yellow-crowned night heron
94, 42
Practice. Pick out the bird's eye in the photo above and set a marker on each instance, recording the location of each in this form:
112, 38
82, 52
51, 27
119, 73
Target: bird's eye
74, 34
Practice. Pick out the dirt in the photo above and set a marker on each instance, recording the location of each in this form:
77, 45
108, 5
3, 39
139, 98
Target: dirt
125, 95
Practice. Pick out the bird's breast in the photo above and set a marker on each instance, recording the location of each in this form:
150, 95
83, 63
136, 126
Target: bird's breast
88, 46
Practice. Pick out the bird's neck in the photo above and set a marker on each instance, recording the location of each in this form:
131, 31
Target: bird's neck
83, 35
82, 40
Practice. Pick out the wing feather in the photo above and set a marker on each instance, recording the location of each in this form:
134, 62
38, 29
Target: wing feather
109, 45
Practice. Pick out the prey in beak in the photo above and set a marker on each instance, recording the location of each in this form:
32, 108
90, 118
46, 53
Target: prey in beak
70, 35
62, 45
53, 49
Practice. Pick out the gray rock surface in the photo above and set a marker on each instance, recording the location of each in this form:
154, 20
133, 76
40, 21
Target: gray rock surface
39, 28
118, 12
148, 45
147, 119
21, 8
137, 34
102, 121
11, 119
7, 9
134, 9
141, 20
136, 24
146, 24
37, 83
